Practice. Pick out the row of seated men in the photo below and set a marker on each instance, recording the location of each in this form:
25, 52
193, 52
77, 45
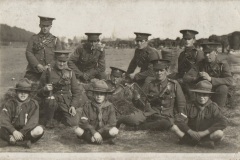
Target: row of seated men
164, 107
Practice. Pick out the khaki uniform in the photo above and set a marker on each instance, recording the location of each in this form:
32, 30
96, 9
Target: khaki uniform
97, 119
142, 58
221, 76
162, 98
88, 60
19, 116
40, 50
187, 59
65, 91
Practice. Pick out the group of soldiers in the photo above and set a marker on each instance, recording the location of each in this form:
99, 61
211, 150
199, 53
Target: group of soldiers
158, 98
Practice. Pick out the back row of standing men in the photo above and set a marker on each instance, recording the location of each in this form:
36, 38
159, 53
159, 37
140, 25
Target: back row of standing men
164, 107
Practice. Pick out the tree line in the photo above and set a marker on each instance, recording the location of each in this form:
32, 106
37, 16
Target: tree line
14, 34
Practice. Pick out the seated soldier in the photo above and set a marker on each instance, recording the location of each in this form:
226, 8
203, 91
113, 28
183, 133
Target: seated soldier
121, 97
116, 78
162, 94
213, 70
205, 122
88, 60
59, 88
19, 117
98, 117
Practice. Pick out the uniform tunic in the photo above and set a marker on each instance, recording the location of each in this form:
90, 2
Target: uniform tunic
160, 114
187, 59
164, 95
88, 60
121, 98
20, 116
40, 50
210, 118
94, 121
65, 91
142, 59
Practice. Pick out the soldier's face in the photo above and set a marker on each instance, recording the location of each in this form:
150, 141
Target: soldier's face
45, 28
94, 42
210, 57
202, 98
115, 80
61, 64
161, 74
189, 42
141, 44
22, 95
99, 97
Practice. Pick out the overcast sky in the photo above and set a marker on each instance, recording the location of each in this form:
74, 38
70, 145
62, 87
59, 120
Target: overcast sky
123, 17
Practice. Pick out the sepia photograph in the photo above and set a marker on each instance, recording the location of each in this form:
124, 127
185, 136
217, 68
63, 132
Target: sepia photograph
120, 79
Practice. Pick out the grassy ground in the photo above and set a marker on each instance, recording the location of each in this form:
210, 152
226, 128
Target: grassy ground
13, 64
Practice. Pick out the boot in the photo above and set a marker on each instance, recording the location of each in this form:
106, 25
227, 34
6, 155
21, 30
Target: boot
25, 144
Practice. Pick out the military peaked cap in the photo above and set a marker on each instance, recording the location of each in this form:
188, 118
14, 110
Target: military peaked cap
160, 64
117, 72
210, 46
188, 34
46, 20
141, 36
62, 55
93, 36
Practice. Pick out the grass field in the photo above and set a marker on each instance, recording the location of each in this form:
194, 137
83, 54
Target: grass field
13, 64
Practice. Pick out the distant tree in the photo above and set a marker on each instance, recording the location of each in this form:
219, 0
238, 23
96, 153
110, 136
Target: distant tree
14, 34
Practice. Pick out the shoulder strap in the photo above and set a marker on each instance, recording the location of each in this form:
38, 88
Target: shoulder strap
173, 81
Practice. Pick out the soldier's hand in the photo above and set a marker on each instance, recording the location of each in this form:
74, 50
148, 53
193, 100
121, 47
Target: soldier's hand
46, 67
194, 135
18, 135
205, 76
40, 68
98, 137
86, 76
72, 111
136, 95
48, 87
180, 80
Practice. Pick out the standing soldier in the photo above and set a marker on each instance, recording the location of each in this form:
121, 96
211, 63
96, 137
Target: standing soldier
88, 60
142, 57
159, 108
213, 70
61, 92
40, 49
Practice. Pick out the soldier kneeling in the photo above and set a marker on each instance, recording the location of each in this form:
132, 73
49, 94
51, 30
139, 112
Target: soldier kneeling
19, 117
205, 122
98, 117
